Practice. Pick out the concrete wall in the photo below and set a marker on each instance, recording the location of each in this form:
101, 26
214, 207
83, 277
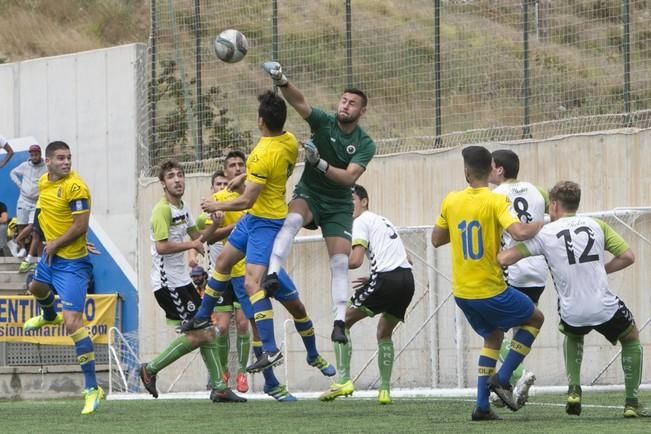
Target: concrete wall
612, 169
88, 100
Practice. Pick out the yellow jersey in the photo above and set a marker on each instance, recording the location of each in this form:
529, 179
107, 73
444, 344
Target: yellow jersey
58, 202
475, 218
270, 164
231, 217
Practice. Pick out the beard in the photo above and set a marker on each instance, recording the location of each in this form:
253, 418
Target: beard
343, 119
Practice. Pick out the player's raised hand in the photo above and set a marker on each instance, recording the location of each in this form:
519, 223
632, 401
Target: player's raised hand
312, 156
209, 206
275, 71
198, 246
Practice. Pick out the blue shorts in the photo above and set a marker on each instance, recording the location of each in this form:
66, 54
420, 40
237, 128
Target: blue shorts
68, 277
509, 309
254, 236
287, 292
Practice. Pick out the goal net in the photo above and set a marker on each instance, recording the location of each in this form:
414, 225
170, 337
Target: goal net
435, 349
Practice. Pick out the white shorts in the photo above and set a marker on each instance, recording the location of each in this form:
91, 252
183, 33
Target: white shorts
25, 211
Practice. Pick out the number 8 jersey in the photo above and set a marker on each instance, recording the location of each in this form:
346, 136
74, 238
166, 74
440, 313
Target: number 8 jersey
574, 248
529, 205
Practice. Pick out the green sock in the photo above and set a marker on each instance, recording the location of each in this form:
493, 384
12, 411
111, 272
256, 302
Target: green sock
174, 351
344, 352
385, 362
632, 365
222, 348
210, 356
243, 351
573, 351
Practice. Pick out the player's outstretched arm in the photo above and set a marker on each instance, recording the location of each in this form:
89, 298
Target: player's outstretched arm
9, 152
167, 247
524, 231
510, 256
440, 236
241, 203
620, 262
291, 93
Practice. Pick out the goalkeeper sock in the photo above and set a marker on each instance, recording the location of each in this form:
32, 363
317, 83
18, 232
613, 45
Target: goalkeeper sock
283, 242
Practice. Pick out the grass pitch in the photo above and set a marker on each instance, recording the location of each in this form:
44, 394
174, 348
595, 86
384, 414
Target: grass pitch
602, 413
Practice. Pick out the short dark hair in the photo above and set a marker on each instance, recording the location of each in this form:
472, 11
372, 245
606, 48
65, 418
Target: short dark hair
272, 110
360, 192
358, 92
168, 165
477, 160
55, 146
215, 175
568, 193
509, 161
236, 153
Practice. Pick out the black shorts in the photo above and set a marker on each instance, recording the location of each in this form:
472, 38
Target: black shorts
533, 292
179, 304
389, 292
615, 328
227, 301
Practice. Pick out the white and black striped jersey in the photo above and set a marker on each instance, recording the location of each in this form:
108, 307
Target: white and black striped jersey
169, 223
384, 248
574, 249
529, 206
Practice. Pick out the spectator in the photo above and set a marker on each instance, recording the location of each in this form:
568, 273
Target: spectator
26, 176
8, 149
4, 219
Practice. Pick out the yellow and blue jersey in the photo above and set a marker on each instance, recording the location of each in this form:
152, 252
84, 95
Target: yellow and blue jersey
270, 164
231, 217
58, 201
475, 218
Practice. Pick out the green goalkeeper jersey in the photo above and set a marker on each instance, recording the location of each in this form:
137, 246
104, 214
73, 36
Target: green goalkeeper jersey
339, 150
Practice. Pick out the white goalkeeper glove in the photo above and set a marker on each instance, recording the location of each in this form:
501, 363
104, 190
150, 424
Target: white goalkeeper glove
312, 156
275, 71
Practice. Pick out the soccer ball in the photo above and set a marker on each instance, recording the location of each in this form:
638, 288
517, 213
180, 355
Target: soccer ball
231, 46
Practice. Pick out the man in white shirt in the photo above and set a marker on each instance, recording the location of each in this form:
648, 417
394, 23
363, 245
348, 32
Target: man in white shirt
26, 176
387, 291
530, 203
574, 247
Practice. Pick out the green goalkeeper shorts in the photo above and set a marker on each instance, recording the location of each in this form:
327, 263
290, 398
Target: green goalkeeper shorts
334, 217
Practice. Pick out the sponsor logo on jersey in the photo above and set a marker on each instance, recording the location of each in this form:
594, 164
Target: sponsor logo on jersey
351, 149
191, 307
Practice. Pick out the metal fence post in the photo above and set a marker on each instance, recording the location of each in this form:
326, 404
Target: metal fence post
437, 71
349, 44
627, 62
526, 130
197, 42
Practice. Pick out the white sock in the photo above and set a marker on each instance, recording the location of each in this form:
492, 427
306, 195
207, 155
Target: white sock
283, 242
339, 285
29, 258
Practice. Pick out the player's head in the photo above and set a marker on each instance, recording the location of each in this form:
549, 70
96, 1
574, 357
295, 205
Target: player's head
564, 198
360, 200
172, 178
477, 162
352, 106
506, 165
35, 154
234, 164
218, 181
58, 159
272, 112
199, 276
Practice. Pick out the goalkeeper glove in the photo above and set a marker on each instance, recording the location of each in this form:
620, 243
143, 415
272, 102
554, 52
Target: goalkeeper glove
312, 156
275, 71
